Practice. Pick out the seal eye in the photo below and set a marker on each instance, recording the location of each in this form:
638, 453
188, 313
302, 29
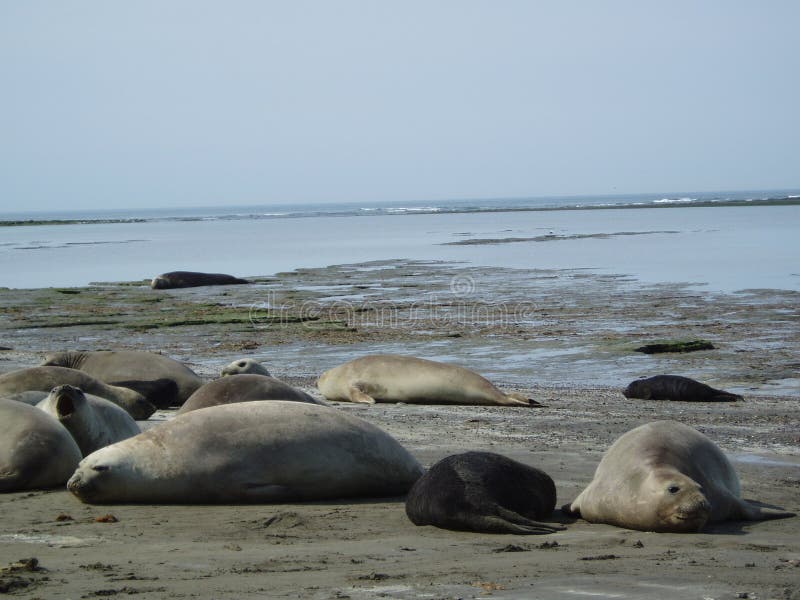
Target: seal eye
241, 364
673, 489
100, 468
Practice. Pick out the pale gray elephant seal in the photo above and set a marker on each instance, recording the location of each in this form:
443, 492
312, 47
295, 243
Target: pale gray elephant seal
133, 368
245, 366
184, 279
269, 451
44, 379
677, 388
394, 378
93, 422
36, 452
665, 476
243, 388
484, 492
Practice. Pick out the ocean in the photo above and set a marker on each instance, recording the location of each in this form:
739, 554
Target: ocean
722, 241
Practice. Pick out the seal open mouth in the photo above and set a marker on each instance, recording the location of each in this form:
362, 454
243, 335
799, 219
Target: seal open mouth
66, 396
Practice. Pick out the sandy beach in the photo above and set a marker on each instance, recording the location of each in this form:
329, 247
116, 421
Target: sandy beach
566, 338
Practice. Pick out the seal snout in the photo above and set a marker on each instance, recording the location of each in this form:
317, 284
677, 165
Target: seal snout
75, 483
692, 515
83, 482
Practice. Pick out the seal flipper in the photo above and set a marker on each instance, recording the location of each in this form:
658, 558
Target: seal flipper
573, 509
161, 393
726, 397
753, 512
500, 524
514, 399
356, 394
518, 519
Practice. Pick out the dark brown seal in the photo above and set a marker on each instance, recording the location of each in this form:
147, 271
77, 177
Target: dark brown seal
184, 279
484, 492
675, 387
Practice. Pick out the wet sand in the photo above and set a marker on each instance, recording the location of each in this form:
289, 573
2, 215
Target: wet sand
576, 334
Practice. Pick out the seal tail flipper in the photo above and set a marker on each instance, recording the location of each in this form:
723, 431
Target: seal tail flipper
515, 399
754, 512
161, 393
518, 519
494, 524
726, 397
507, 521
572, 509
356, 395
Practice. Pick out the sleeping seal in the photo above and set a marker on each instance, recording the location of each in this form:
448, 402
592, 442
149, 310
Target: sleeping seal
184, 279
269, 451
93, 422
675, 387
244, 366
484, 492
35, 451
665, 476
243, 388
394, 378
128, 366
44, 379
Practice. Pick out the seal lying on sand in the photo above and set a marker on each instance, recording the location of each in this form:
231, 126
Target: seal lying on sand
35, 451
128, 366
44, 379
92, 421
484, 492
271, 451
394, 378
184, 279
244, 366
243, 388
675, 387
665, 476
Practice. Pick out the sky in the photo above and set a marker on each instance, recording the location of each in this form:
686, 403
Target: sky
112, 104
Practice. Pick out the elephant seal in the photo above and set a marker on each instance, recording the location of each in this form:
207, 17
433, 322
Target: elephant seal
395, 378
35, 450
93, 422
243, 366
484, 492
243, 388
44, 379
675, 387
184, 279
665, 476
133, 369
268, 451
31, 397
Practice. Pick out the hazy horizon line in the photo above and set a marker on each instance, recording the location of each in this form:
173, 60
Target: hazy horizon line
663, 193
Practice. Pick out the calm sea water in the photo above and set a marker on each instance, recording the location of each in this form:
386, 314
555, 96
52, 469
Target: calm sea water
698, 239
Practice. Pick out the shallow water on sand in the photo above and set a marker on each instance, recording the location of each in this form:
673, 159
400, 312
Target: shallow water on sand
723, 248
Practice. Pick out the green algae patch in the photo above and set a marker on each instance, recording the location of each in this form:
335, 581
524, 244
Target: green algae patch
60, 324
675, 346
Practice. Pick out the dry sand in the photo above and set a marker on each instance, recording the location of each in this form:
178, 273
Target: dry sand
369, 549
